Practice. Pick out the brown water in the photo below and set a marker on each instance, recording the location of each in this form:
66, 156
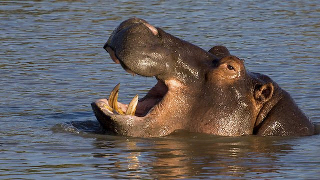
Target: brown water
53, 66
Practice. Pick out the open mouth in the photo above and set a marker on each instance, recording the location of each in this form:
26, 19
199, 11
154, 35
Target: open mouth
137, 107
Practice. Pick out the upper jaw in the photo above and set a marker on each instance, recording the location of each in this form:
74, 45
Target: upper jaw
139, 50
143, 49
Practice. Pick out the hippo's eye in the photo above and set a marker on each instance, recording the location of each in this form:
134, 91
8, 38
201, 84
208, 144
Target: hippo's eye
230, 67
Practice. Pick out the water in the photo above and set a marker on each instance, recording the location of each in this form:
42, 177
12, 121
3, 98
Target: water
53, 66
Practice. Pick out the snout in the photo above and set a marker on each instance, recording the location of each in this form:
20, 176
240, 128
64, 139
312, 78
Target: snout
127, 24
145, 50
137, 46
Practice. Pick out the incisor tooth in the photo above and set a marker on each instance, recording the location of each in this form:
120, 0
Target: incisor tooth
113, 99
133, 106
108, 107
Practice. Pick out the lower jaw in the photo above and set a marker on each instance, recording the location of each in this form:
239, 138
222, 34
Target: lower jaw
150, 112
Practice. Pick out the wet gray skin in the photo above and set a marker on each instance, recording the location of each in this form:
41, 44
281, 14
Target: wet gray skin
197, 91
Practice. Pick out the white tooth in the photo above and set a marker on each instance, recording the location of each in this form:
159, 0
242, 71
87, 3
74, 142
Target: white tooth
133, 106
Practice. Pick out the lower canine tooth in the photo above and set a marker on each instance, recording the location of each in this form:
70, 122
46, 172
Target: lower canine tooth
113, 94
115, 104
132, 106
113, 99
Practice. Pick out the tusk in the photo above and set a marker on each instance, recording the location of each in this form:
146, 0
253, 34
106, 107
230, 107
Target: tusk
133, 106
115, 104
112, 94
113, 99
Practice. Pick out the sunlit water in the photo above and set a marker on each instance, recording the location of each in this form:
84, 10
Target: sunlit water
53, 66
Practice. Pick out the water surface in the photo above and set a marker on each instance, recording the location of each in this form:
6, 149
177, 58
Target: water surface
53, 66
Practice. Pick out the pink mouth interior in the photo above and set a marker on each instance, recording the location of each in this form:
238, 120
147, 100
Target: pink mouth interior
145, 104
153, 97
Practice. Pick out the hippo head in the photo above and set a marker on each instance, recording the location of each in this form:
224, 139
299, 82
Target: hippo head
197, 91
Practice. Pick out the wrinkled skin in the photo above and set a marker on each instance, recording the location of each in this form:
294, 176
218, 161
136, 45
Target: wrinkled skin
198, 91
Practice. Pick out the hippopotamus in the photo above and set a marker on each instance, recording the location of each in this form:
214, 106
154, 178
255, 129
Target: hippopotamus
196, 91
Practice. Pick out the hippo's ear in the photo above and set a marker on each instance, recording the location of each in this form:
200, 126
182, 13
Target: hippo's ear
263, 93
219, 51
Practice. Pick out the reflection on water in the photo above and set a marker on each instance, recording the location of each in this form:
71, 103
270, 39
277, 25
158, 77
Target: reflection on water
197, 156
53, 66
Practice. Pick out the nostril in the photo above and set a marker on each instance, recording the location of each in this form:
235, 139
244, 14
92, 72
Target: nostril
152, 28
